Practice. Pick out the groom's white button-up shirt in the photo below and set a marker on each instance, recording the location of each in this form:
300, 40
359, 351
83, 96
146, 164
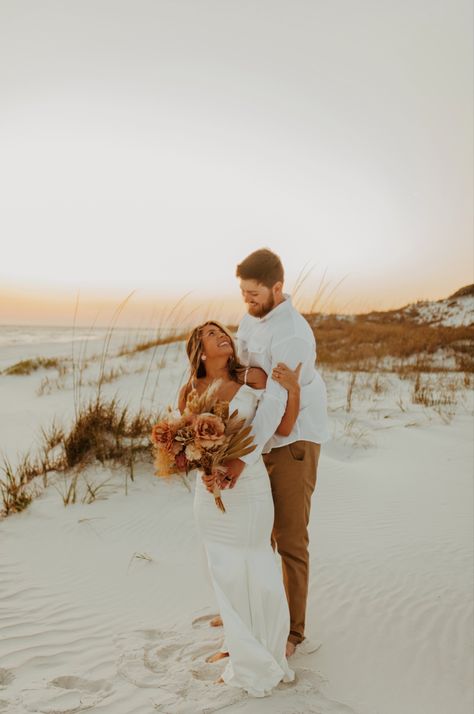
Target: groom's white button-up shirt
283, 335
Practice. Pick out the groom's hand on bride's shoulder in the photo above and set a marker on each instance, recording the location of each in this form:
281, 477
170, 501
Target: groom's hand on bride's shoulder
234, 468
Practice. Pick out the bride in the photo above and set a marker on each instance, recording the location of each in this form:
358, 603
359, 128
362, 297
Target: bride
246, 579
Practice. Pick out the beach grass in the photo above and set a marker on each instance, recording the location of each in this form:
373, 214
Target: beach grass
364, 343
15, 496
27, 366
437, 360
103, 431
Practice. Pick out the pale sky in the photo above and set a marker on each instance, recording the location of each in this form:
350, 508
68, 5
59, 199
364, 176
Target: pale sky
151, 145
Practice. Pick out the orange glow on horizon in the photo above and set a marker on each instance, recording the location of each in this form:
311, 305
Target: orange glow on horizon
56, 307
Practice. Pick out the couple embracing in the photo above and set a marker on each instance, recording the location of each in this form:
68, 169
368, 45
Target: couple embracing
271, 379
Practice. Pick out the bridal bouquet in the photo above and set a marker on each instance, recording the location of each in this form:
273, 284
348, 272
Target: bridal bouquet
205, 436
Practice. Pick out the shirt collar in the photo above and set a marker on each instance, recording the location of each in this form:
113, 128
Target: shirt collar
279, 309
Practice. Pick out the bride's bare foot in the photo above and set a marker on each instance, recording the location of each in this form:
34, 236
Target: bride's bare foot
290, 648
216, 621
219, 681
216, 657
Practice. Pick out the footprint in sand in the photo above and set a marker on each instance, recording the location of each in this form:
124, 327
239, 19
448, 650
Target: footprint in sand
6, 677
205, 673
151, 634
66, 694
159, 659
173, 663
85, 685
203, 621
201, 650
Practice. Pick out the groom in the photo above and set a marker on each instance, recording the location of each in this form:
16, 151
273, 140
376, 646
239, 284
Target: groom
274, 331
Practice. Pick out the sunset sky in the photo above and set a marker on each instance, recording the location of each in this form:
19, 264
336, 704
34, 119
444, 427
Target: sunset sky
149, 146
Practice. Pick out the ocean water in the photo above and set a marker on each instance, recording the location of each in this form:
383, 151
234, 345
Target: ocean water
17, 335
19, 342
23, 411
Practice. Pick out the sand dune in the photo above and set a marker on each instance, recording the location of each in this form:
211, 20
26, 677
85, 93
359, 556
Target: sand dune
105, 607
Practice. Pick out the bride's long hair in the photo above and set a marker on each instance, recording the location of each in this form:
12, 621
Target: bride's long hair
194, 352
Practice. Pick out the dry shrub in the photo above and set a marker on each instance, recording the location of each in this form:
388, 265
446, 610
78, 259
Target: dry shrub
27, 366
364, 342
142, 346
70, 490
13, 489
102, 430
109, 376
47, 386
377, 385
434, 393
52, 436
14, 486
356, 434
350, 391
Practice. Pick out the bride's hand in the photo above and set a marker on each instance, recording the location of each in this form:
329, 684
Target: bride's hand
209, 481
285, 376
234, 468
217, 477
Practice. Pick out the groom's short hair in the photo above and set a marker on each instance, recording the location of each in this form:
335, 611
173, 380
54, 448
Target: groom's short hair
263, 266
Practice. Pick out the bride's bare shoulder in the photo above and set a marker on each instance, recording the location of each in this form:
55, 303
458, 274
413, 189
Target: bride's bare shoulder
256, 378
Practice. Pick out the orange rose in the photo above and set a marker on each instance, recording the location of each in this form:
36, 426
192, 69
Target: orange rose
162, 434
209, 430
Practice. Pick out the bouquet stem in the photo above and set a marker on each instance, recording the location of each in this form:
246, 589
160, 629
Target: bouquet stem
216, 492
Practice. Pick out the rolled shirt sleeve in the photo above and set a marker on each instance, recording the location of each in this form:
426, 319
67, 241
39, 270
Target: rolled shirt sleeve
272, 405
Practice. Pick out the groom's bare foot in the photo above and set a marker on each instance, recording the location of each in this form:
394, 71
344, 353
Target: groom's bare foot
290, 648
216, 657
216, 621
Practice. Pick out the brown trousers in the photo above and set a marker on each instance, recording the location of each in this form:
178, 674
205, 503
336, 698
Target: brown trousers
292, 470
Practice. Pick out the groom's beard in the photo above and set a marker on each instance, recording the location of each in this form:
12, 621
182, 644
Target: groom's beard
262, 310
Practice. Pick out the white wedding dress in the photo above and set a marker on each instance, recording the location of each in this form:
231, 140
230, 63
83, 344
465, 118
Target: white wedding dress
247, 581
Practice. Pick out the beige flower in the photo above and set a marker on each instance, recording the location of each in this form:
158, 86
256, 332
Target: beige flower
193, 453
209, 430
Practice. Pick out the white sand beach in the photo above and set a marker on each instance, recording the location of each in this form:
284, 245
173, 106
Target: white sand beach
170, 162
105, 606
